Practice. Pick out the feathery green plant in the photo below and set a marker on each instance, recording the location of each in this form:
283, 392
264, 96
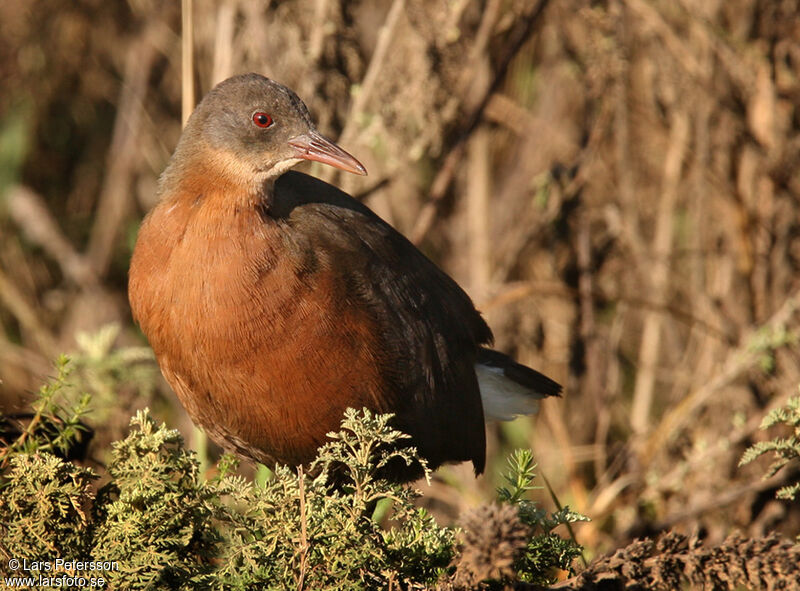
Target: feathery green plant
785, 449
55, 424
545, 550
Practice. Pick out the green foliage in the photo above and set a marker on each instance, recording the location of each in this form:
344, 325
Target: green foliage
785, 449
15, 130
43, 512
164, 526
154, 517
106, 371
54, 427
299, 531
545, 550
768, 340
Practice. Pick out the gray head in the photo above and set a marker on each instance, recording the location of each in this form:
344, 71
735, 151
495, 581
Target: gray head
261, 126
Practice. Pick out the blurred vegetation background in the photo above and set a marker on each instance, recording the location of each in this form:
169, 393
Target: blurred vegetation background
614, 182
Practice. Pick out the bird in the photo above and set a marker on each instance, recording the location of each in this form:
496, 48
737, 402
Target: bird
274, 301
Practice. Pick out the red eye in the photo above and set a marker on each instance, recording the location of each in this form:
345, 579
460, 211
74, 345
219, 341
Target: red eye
262, 119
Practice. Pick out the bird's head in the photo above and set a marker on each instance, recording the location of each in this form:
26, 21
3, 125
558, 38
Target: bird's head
256, 128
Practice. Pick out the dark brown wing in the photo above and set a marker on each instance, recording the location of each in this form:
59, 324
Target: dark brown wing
428, 327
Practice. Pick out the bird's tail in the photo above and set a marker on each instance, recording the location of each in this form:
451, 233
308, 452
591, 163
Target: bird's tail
508, 388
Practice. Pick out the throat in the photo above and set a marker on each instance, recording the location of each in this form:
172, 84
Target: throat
218, 181
217, 197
